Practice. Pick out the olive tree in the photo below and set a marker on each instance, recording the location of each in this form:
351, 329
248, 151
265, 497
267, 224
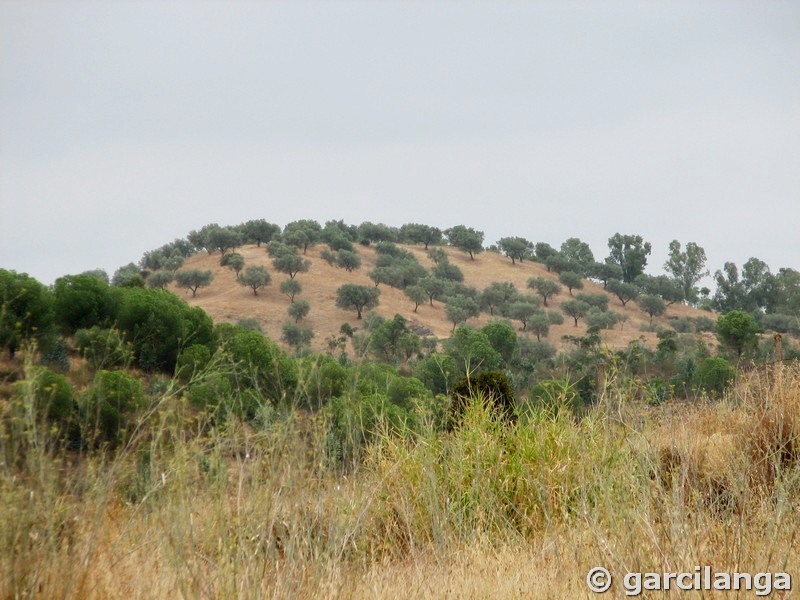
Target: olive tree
572, 280
291, 287
255, 277
299, 310
193, 279
544, 287
516, 248
652, 305
234, 261
624, 291
290, 264
575, 309
466, 239
357, 297
460, 308
498, 294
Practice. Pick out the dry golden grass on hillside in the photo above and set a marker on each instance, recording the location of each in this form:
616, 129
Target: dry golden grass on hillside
227, 301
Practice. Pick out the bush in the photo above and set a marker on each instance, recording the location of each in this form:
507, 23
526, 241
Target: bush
713, 375
103, 348
704, 324
52, 396
354, 423
158, 325
683, 324
111, 405
490, 387
553, 396
258, 363
191, 361
322, 377
211, 393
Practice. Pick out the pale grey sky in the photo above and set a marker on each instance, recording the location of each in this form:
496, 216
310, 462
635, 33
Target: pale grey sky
123, 125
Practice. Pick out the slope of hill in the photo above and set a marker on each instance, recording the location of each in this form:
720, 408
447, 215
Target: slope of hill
227, 301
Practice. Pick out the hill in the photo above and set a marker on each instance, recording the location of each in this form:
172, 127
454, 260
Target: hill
227, 301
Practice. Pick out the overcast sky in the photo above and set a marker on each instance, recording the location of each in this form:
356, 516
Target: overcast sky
124, 125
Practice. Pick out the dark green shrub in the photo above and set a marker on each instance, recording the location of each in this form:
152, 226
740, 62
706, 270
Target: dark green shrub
491, 387
553, 396
53, 396
322, 378
110, 408
713, 375
191, 361
103, 348
354, 422
704, 324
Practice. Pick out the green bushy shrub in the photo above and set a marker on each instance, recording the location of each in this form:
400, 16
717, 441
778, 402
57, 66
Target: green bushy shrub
111, 407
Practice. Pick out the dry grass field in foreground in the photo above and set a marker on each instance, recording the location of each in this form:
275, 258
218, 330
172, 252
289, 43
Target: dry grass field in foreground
227, 301
488, 511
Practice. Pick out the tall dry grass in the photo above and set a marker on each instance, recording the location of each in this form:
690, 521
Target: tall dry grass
490, 510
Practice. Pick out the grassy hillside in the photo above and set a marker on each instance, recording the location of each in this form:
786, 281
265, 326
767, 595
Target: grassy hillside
227, 301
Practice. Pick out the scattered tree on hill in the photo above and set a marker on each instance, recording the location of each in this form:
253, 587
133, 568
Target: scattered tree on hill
595, 300
259, 232
302, 234
417, 294
127, 276
546, 288
291, 287
358, 297
234, 261
624, 291
652, 305
539, 325
522, 310
604, 272
737, 331
664, 287
515, 248
377, 232
578, 252
433, 287
687, 267
575, 309
416, 233
299, 310
460, 308
291, 264
466, 239
447, 271
296, 336
542, 251
223, 239
193, 279
255, 277
438, 256
160, 279
199, 238
349, 261
572, 280
497, 294
630, 252
558, 263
